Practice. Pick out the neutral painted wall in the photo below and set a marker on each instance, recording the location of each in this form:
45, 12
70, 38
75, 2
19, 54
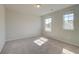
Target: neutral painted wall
20, 25
58, 33
2, 26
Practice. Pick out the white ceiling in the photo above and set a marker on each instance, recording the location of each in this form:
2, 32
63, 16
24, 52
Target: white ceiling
31, 10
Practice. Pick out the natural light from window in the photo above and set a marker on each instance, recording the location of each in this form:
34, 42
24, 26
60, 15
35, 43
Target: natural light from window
69, 21
40, 41
48, 24
65, 51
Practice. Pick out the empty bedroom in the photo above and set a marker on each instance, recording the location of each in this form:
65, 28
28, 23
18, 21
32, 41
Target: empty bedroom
39, 29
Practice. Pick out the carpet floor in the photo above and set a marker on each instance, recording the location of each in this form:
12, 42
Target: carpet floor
27, 46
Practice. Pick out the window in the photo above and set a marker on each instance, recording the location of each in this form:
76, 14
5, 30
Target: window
48, 24
68, 21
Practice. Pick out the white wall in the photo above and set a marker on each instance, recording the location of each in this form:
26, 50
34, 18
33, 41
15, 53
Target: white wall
69, 36
2, 27
20, 25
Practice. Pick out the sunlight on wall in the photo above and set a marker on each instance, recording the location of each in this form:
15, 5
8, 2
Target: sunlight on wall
65, 51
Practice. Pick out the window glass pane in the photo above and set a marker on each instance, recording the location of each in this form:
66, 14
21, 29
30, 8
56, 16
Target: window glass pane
48, 24
71, 16
66, 17
49, 20
68, 21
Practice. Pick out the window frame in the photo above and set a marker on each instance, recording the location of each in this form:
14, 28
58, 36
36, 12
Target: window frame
68, 20
48, 27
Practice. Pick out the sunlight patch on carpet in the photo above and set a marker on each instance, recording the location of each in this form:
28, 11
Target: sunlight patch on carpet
41, 41
65, 51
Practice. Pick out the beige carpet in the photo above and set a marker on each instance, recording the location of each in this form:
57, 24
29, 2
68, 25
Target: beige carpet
27, 46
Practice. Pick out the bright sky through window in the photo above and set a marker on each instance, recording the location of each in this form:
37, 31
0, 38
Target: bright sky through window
69, 21
48, 24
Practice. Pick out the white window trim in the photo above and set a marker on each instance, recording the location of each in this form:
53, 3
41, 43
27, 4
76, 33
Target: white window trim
48, 29
64, 24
